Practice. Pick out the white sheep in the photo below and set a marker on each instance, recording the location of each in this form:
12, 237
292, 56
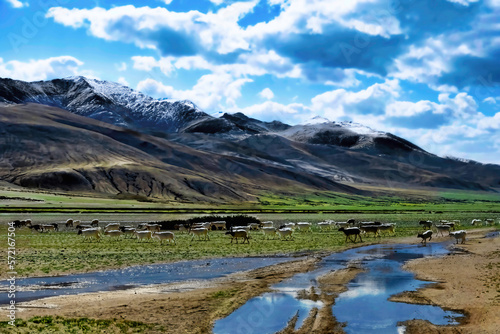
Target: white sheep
286, 233
164, 236
459, 235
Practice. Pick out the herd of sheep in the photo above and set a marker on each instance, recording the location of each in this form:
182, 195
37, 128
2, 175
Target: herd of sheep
352, 229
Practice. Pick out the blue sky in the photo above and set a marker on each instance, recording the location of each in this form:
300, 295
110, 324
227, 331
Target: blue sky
426, 70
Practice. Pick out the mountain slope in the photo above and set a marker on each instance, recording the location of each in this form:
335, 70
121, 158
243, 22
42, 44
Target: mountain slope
317, 154
49, 148
105, 101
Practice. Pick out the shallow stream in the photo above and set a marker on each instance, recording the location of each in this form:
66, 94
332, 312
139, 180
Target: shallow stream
364, 307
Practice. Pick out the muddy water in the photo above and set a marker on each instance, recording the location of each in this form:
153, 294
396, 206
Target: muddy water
110, 280
364, 307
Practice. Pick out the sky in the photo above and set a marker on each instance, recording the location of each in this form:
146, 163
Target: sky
425, 70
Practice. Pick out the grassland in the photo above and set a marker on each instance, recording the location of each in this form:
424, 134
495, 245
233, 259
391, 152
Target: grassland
66, 252
50, 324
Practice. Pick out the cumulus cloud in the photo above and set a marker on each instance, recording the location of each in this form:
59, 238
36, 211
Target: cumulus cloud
212, 92
41, 69
340, 103
172, 33
149, 63
267, 94
17, 3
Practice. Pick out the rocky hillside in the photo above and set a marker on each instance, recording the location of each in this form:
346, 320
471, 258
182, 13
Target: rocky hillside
158, 148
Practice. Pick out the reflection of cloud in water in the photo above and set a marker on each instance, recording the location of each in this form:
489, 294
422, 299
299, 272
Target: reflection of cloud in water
365, 288
276, 298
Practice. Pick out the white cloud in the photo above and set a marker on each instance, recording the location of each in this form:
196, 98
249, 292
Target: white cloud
267, 94
490, 100
157, 27
408, 109
17, 3
167, 2
340, 103
149, 63
121, 67
42, 69
463, 2
123, 81
212, 92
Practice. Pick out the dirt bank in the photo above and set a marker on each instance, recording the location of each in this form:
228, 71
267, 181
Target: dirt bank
467, 281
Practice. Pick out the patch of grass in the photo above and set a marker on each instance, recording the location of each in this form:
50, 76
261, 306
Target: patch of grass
49, 324
224, 294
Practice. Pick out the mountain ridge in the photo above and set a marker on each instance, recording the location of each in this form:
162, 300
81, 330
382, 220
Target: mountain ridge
270, 156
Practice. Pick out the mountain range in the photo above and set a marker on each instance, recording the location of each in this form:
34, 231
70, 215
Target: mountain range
85, 135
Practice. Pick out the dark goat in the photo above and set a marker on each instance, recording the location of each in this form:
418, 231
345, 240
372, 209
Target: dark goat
426, 235
350, 231
425, 223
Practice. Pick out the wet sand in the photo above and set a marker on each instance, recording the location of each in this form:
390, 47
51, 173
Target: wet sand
468, 281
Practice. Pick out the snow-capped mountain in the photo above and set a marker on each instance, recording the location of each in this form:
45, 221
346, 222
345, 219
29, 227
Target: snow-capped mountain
105, 101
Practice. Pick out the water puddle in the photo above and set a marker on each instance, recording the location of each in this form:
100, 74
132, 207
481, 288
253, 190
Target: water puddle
364, 307
111, 280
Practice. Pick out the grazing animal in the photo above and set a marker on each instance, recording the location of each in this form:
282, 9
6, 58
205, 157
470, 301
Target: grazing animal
342, 224
351, 231
235, 234
90, 233
387, 228
182, 228
254, 226
69, 223
112, 226
219, 225
285, 233
476, 222
425, 235
143, 235
459, 235
268, 224
326, 225
443, 228
269, 231
18, 223
200, 232
27, 222
95, 223
246, 228
351, 222
450, 224
83, 226
489, 222
153, 227
164, 236
426, 223
48, 227
130, 231
370, 229
36, 227
303, 226
114, 233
